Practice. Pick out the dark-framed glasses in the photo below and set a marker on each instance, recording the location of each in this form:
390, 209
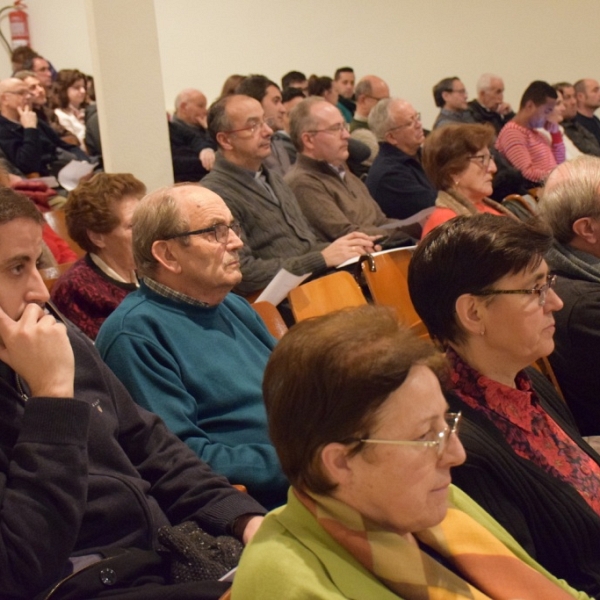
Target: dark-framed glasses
542, 290
439, 443
484, 160
412, 123
335, 129
220, 231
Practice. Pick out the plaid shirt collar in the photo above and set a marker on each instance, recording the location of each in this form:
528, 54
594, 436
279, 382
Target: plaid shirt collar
171, 294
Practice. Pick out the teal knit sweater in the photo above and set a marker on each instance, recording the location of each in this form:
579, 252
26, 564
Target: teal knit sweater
200, 369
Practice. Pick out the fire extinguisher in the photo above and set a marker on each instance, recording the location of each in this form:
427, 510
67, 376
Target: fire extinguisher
19, 26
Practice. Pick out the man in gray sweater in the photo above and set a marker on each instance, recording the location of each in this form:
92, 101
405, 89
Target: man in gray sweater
275, 232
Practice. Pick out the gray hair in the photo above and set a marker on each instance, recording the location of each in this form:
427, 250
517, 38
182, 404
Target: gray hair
380, 118
363, 87
485, 81
157, 216
302, 120
218, 119
572, 192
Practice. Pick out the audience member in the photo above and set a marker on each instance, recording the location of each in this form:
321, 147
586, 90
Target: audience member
450, 97
98, 214
269, 95
231, 84
334, 201
362, 429
290, 97
42, 69
489, 106
522, 145
323, 87
557, 117
484, 292
295, 79
31, 145
570, 204
275, 233
458, 161
369, 91
192, 151
19, 56
587, 92
87, 474
583, 139
69, 101
344, 84
396, 178
156, 342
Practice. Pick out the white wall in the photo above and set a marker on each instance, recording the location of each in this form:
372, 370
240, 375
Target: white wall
410, 43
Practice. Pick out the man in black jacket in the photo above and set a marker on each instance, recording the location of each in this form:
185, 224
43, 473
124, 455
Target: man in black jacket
192, 150
570, 203
85, 472
30, 144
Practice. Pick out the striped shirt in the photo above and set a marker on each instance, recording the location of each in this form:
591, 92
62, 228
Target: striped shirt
529, 152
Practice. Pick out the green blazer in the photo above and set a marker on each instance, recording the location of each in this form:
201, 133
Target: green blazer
293, 557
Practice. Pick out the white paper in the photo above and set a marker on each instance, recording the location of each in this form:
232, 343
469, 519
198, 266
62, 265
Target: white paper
280, 287
229, 575
71, 173
353, 261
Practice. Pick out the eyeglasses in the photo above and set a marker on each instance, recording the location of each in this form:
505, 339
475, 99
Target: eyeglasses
254, 127
220, 230
542, 290
412, 123
336, 129
483, 159
19, 93
452, 421
377, 99
462, 91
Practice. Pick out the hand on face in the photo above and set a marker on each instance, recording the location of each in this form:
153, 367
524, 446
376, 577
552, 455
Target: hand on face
27, 117
36, 347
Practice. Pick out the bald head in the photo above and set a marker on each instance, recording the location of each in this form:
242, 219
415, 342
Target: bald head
369, 90
14, 95
191, 107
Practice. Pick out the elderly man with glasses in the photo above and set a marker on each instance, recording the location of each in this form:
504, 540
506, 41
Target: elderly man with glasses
29, 144
188, 350
276, 234
334, 201
396, 179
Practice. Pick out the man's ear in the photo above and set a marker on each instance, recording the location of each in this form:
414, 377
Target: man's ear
223, 140
307, 141
469, 312
587, 229
337, 466
165, 253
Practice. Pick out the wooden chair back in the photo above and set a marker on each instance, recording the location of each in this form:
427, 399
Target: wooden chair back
56, 220
387, 278
545, 368
226, 595
272, 318
51, 274
324, 295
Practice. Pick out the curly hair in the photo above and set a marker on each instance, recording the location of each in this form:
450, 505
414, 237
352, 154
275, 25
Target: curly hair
90, 206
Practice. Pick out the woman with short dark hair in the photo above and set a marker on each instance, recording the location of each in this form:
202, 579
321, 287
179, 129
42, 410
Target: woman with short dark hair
485, 293
361, 428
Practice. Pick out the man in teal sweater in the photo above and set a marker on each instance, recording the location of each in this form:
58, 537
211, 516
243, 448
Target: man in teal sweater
186, 348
